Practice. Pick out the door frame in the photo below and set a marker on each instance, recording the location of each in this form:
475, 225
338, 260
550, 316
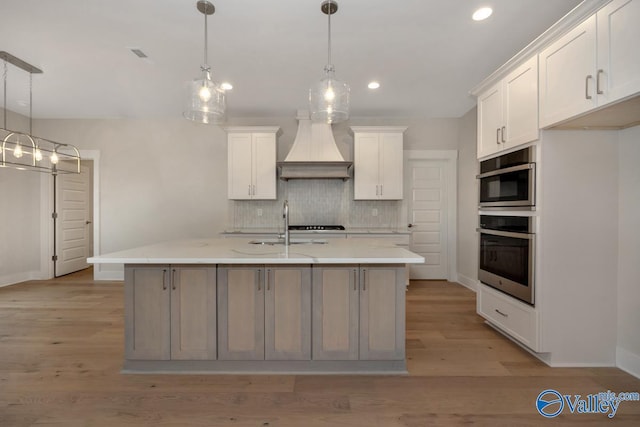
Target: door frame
451, 156
47, 208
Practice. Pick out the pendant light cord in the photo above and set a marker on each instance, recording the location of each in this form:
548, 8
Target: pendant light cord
329, 26
4, 109
206, 38
31, 104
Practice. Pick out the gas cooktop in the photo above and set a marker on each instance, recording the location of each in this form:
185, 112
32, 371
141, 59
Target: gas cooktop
316, 227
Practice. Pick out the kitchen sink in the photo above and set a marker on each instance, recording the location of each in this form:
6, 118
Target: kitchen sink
292, 241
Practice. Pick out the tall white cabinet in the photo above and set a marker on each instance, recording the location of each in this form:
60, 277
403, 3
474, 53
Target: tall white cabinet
252, 162
378, 160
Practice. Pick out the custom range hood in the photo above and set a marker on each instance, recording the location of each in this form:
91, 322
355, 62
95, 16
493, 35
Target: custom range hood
314, 154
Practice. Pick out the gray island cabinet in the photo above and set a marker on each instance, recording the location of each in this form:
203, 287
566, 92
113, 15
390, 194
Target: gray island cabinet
229, 307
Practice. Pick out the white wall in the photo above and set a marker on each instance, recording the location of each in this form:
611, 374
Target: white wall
628, 350
167, 179
19, 217
468, 200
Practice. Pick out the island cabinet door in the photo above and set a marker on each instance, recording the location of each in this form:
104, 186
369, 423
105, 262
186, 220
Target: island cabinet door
288, 313
335, 312
193, 313
382, 312
240, 312
147, 312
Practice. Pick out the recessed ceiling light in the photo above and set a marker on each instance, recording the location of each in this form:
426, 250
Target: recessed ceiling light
226, 86
482, 13
373, 85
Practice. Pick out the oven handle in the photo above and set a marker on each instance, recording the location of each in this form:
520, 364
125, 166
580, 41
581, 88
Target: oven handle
505, 233
506, 170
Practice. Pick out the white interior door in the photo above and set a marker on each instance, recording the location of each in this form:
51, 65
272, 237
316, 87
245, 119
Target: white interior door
74, 222
428, 216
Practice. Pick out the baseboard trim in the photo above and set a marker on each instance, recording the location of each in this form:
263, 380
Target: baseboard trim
111, 276
628, 361
14, 279
468, 282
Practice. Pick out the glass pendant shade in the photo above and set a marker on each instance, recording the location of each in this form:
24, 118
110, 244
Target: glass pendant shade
206, 101
329, 99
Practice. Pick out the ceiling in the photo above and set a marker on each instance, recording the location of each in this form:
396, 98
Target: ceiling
426, 54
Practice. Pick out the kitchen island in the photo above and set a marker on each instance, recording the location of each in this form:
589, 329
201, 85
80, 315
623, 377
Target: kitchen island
241, 306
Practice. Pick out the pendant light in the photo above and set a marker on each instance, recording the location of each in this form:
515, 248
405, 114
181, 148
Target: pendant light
205, 97
25, 151
329, 98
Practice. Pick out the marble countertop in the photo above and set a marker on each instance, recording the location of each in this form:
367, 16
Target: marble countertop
240, 251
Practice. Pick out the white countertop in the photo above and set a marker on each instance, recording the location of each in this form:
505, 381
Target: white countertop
240, 251
349, 231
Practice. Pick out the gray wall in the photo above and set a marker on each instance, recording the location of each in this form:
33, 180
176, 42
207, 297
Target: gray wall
628, 351
467, 200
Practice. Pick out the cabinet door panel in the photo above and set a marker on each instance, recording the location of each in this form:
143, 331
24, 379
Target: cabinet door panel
335, 313
618, 51
288, 313
391, 160
147, 320
382, 301
521, 104
193, 313
241, 313
264, 165
489, 121
366, 167
566, 89
239, 165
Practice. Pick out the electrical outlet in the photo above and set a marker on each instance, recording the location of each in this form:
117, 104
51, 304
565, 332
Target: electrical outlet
259, 212
374, 212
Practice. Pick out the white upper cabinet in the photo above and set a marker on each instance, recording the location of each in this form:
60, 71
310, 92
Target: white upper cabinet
618, 51
378, 159
594, 64
508, 111
252, 162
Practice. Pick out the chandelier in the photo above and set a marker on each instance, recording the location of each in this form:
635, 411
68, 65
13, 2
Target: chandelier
25, 151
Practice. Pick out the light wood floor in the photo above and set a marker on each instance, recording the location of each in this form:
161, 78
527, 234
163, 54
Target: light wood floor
61, 349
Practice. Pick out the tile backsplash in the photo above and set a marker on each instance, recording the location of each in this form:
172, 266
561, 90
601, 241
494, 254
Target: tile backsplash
316, 201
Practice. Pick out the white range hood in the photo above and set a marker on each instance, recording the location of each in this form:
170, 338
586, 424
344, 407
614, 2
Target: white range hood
314, 154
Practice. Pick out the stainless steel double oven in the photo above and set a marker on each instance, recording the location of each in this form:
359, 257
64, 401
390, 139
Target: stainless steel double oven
507, 242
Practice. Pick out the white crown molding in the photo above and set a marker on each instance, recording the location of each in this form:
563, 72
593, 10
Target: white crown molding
564, 24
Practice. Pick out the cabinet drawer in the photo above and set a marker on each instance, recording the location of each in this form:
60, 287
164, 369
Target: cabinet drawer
513, 317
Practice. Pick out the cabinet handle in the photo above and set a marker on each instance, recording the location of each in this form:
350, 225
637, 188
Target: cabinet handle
253, 190
173, 279
498, 136
249, 190
377, 190
259, 277
598, 90
164, 279
381, 187
355, 280
266, 278
502, 133
501, 313
586, 87
364, 280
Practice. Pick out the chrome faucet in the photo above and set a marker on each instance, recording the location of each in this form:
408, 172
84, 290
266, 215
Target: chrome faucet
285, 215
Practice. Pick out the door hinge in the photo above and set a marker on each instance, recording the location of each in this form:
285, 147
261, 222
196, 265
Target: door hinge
54, 215
54, 258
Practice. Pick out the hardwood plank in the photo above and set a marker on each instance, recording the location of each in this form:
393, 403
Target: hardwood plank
61, 351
